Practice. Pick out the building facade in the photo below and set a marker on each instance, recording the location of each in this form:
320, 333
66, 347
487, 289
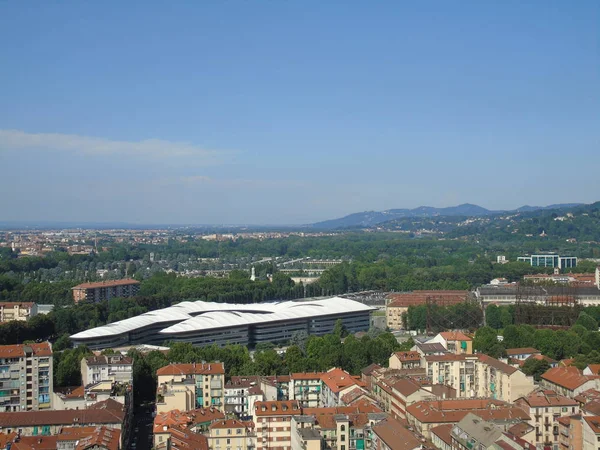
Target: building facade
115, 368
26, 377
105, 290
21, 311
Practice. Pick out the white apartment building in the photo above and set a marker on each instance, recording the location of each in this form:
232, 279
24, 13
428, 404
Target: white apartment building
306, 388
26, 377
114, 368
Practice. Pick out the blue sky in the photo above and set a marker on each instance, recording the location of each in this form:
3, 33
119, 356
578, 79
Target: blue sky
294, 111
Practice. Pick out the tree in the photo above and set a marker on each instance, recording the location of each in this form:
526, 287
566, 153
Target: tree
535, 367
587, 321
62, 343
486, 341
339, 329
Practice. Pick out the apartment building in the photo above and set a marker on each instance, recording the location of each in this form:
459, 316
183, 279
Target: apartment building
478, 376
241, 393
231, 434
425, 415
405, 360
69, 438
105, 290
545, 407
21, 311
204, 380
569, 381
114, 368
570, 432
454, 342
591, 432
398, 304
305, 387
194, 421
390, 434
26, 377
335, 383
522, 353
273, 422
345, 428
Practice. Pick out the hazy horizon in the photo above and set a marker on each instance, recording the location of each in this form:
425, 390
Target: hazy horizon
292, 113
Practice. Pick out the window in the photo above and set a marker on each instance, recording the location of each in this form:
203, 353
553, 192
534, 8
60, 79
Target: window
343, 428
217, 432
228, 430
238, 431
228, 441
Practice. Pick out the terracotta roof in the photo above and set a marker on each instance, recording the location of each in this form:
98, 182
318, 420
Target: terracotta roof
444, 432
18, 350
353, 395
594, 423
102, 437
395, 436
568, 377
176, 418
408, 356
521, 351
547, 398
6, 438
71, 393
452, 411
588, 395
19, 304
306, 375
283, 378
109, 283
520, 429
65, 417
455, 336
416, 298
592, 407
192, 369
186, 439
277, 408
567, 362
36, 443
595, 368
337, 380
406, 387
357, 414
232, 423
370, 368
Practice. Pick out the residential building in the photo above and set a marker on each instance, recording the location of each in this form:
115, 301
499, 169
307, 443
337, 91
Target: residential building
390, 434
69, 398
545, 407
429, 348
231, 434
550, 260
454, 342
21, 311
591, 432
105, 290
367, 373
570, 432
441, 437
195, 421
114, 368
204, 382
305, 387
522, 353
241, 392
474, 432
26, 377
71, 438
569, 381
335, 383
405, 360
397, 304
592, 369
273, 422
478, 376
425, 415
181, 438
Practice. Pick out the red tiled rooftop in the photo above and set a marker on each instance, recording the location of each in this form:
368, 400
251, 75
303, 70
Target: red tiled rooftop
18, 350
192, 369
108, 283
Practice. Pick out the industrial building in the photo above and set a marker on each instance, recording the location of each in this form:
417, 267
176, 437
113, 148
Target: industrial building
207, 323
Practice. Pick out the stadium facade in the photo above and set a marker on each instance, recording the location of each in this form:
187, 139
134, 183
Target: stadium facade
207, 323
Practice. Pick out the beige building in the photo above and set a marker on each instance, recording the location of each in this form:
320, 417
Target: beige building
591, 432
478, 376
454, 342
231, 434
26, 377
568, 381
405, 360
105, 290
21, 311
545, 407
398, 304
201, 385
570, 430
273, 422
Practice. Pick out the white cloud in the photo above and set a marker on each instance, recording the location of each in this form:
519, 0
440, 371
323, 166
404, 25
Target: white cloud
149, 148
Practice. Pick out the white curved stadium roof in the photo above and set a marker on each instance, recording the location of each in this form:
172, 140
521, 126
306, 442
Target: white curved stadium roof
201, 315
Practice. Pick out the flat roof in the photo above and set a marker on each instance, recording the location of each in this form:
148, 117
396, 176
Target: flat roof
206, 316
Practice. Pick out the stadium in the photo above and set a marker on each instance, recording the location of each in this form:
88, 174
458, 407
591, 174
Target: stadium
206, 323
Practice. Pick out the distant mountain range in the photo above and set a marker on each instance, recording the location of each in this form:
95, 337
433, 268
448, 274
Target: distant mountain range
372, 218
